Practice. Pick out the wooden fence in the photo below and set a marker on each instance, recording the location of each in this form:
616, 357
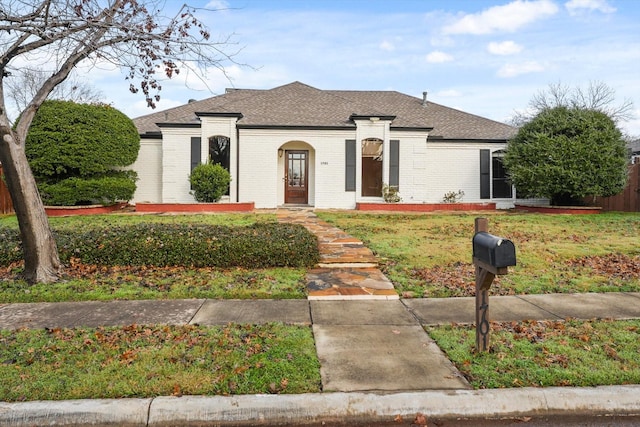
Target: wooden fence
6, 206
628, 200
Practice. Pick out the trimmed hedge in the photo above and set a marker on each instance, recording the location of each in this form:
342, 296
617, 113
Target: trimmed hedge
103, 190
254, 246
68, 139
76, 151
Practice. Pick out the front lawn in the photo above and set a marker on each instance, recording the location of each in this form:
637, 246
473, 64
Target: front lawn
429, 255
262, 247
147, 361
546, 353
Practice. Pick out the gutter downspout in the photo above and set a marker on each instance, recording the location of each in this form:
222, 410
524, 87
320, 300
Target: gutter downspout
237, 164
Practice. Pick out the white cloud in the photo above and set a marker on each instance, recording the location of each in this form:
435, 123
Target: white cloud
575, 7
513, 70
504, 48
387, 45
438, 57
509, 17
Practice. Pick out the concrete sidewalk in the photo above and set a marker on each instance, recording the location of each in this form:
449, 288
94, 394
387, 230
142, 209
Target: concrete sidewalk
376, 361
427, 311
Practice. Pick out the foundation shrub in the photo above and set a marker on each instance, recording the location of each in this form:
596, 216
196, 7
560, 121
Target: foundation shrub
255, 246
117, 185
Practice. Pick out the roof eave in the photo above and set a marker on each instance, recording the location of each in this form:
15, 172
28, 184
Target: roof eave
151, 135
179, 125
372, 117
299, 127
213, 114
411, 128
467, 140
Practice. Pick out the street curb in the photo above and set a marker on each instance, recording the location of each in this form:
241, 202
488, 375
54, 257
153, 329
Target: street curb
327, 407
97, 412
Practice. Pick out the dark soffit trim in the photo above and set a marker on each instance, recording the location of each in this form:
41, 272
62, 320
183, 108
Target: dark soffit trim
179, 125
371, 116
212, 114
299, 127
151, 135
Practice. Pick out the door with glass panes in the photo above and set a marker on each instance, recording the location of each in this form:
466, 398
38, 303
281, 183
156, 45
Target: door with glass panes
296, 177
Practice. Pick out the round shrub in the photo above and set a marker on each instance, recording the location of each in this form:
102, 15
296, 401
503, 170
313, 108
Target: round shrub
566, 154
76, 150
209, 182
68, 139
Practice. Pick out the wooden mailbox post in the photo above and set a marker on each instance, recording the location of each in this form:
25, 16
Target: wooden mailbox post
492, 256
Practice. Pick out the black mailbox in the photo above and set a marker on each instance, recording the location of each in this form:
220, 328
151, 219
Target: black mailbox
493, 250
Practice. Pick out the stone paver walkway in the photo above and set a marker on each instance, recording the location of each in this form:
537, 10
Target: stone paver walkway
347, 268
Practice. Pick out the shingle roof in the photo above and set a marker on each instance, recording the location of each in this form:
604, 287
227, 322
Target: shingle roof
297, 104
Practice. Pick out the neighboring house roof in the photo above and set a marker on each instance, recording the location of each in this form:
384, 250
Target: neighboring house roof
300, 105
634, 146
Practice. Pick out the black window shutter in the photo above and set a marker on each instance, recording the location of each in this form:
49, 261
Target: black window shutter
350, 165
394, 163
485, 174
196, 148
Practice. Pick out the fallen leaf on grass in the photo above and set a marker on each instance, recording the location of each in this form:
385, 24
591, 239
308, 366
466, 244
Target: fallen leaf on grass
612, 265
177, 391
128, 357
611, 352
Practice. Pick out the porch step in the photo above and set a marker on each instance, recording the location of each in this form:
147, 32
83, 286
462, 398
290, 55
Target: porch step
347, 269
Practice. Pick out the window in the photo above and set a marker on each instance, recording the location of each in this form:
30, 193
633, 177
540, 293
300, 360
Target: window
502, 188
219, 150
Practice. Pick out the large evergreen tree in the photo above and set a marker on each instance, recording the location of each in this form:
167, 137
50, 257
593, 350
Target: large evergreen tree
566, 154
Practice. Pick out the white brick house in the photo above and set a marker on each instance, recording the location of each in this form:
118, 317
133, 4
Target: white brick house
298, 145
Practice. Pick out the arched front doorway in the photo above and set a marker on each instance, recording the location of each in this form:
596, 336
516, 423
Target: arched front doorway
296, 177
296, 163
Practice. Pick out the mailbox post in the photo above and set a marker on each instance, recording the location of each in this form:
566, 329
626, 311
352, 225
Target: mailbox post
492, 256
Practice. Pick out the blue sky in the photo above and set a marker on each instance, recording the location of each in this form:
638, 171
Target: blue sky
484, 57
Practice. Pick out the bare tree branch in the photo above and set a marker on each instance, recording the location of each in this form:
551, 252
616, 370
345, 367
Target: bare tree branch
24, 83
57, 35
597, 96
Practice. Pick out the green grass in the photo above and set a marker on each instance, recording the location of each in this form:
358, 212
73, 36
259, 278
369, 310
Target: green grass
430, 255
82, 283
544, 354
141, 361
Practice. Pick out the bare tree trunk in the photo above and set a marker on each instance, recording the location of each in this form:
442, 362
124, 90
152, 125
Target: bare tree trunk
41, 260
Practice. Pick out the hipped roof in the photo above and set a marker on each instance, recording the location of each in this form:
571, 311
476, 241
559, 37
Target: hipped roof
300, 105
